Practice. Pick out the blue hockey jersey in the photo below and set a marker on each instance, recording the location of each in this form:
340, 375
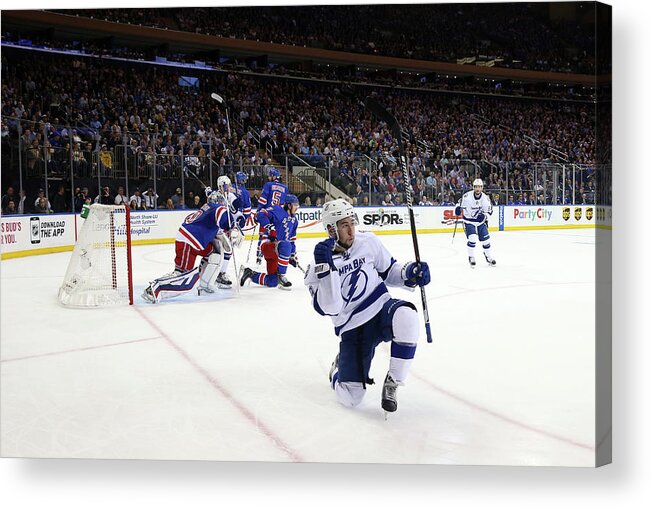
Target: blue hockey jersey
245, 199
199, 228
284, 224
273, 193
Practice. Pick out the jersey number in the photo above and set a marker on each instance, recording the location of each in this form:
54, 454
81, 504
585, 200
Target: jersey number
275, 197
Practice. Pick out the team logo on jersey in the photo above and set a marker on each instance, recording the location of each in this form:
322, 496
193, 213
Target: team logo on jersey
566, 214
588, 213
577, 213
353, 286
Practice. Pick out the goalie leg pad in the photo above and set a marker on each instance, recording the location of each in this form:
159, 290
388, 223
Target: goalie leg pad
208, 269
175, 284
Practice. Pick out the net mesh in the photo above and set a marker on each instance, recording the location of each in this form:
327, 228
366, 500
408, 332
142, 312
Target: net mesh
98, 273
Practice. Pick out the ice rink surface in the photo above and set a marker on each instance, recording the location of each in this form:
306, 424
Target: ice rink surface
242, 375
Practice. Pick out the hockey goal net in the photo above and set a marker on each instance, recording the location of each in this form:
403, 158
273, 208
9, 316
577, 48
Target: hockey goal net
99, 272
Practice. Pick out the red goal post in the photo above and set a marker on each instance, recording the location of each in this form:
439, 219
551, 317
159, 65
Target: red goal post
99, 273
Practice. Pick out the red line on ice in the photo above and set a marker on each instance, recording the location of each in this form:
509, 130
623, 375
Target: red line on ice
251, 417
80, 349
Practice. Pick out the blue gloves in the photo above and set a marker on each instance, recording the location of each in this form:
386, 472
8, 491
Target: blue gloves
457, 211
323, 254
481, 217
417, 273
271, 232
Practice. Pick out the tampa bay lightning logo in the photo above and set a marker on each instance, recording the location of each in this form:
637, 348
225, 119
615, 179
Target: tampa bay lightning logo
354, 285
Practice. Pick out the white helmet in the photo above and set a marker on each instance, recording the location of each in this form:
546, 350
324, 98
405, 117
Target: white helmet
223, 183
478, 183
336, 210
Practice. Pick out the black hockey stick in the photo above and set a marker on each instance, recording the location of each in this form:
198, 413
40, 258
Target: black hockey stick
396, 131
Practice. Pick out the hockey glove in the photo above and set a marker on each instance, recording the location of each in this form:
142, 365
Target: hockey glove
457, 211
271, 233
323, 255
293, 260
208, 191
416, 273
481, 217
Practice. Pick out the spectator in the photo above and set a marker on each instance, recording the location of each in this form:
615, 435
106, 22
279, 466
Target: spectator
22, 206
42, 205
10, 209
120, 198
80, 198
59, 202
169, 204
106, 161
105, 196
150, 199
9, 196
176, 197
136, 201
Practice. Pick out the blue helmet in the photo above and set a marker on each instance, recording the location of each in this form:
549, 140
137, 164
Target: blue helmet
240, 178
291, 199
274, 173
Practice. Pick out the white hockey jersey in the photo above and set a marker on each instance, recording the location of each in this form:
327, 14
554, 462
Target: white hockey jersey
471, 207
356, 291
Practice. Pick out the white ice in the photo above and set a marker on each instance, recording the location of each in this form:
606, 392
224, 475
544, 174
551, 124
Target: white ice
242, 375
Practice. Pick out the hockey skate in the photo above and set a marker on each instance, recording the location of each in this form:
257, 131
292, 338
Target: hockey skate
334, 372
246, 275
149, 296
283, 283
223, 282
472, 262
389, 400
205, 289
491, 262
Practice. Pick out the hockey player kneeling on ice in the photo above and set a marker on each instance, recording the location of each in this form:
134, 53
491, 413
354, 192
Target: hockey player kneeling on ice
476, 207
278, 225
204, 233
348, 282
273, 193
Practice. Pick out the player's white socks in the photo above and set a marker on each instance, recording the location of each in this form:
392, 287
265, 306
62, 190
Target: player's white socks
472, 242
403, 347
487, 248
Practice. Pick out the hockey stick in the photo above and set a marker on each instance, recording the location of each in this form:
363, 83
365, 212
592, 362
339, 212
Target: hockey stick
220, 99
248, 255
396, 131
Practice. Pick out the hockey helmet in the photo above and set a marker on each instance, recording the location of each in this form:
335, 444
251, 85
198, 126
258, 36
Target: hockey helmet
336, 210
240, 178
291, 199
274, 173
223, 183
478, 183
